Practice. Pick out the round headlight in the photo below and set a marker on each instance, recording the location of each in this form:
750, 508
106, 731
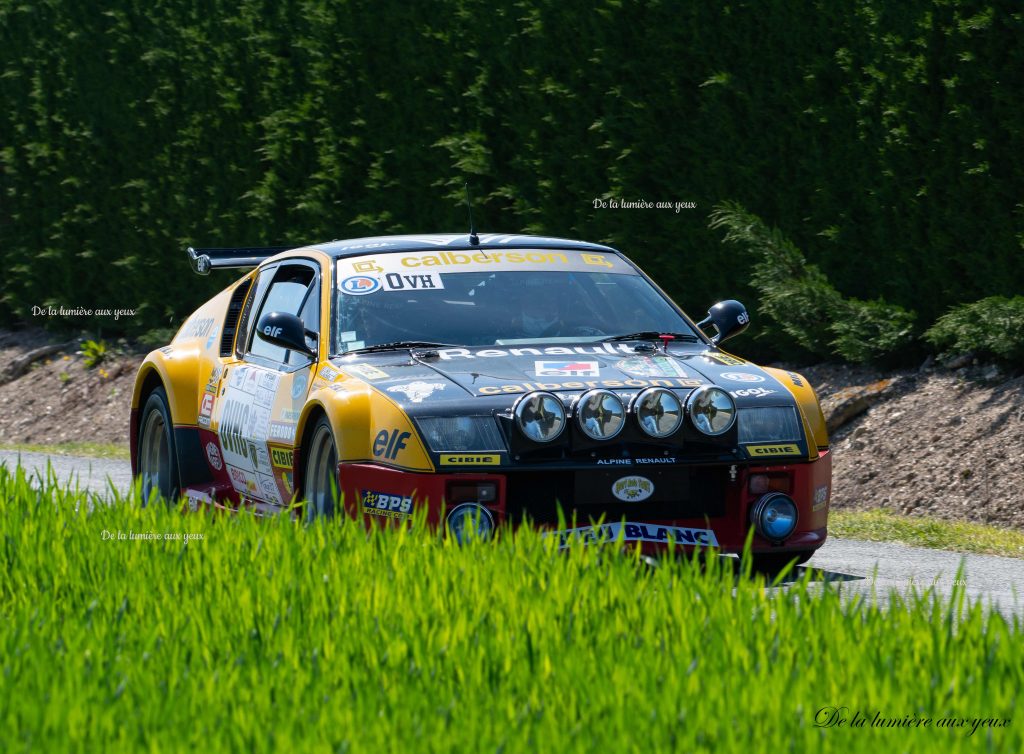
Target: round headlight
659, 412
711, 410
470, 521
540, 416
774, 516
600, 414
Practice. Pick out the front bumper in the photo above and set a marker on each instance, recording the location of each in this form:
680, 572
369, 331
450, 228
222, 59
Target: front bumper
695, 500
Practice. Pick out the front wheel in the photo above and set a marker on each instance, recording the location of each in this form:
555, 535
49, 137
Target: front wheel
320, 481
158, 462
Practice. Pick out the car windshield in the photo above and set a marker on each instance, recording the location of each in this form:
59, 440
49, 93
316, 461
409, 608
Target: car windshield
479, 298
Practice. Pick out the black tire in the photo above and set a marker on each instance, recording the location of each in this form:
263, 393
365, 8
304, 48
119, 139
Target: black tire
158, 459
319, 480
773, 562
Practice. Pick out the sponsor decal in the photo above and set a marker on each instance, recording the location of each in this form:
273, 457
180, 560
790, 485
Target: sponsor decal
290, 415
651, 366
299, 386
282, 431
631, 461
796, 379
741, 377
820, 498
166, 350
773, 450
211, 384
197, 328
470, 459
526, 387
636, 532
752, 392
724, 359
205, 410
367, 372
328, 374
489, 260
566, 368
601, 349
213, 456
359, 285
387, 444
243, 481
281, 457
386, 505
417, 391
210, 340
196, 498
268, 489
286, 480
633, 489
395, 281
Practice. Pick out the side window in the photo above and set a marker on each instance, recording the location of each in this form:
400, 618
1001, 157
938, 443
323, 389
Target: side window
288, 293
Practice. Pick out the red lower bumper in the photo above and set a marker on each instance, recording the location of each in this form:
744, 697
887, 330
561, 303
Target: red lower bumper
384, 495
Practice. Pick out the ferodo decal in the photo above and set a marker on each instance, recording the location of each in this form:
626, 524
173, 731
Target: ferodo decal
526, 387
387, 444
281, 458
651, 366
566, 368
633, 489
282, 431
386, 505
366, 371
484, 260
760, 451
741, 377
470, 459
636, 532
724, 359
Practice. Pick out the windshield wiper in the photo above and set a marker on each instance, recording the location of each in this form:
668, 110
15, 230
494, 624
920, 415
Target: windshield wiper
651, 335
398, 345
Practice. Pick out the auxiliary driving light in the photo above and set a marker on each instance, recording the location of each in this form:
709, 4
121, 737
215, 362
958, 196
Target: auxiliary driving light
600, 414
659, 412
774, 516
470, 521
540, 416
711, 409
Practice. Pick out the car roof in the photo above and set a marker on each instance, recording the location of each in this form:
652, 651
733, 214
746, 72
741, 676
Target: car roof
449, 241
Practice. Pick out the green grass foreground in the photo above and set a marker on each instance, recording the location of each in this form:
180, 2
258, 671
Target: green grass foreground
115, 451
268, 635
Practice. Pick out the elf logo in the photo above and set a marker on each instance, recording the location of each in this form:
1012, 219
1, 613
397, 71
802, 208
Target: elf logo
272, 332
387, 444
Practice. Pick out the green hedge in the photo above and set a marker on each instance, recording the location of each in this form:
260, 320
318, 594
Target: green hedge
883, 137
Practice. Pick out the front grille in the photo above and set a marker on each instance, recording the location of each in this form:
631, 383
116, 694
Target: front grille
679, 492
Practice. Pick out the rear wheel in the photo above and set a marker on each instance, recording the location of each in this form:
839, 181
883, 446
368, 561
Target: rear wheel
320, 481
158, 462
773, 562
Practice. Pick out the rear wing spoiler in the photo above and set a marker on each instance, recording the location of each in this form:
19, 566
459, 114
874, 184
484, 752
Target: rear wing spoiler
204, 260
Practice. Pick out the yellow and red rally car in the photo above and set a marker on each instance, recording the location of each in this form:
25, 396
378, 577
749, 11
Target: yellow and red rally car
491, 379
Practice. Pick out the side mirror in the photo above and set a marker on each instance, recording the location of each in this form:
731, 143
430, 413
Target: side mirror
287, 331
729, 318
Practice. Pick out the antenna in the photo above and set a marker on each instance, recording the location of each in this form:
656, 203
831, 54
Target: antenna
474, 239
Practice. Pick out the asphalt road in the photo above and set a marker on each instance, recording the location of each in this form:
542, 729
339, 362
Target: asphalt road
855, 566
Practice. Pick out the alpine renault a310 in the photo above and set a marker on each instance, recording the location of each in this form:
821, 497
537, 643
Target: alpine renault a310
487, 379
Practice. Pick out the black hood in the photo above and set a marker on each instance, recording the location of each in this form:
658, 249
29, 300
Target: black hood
512, 371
